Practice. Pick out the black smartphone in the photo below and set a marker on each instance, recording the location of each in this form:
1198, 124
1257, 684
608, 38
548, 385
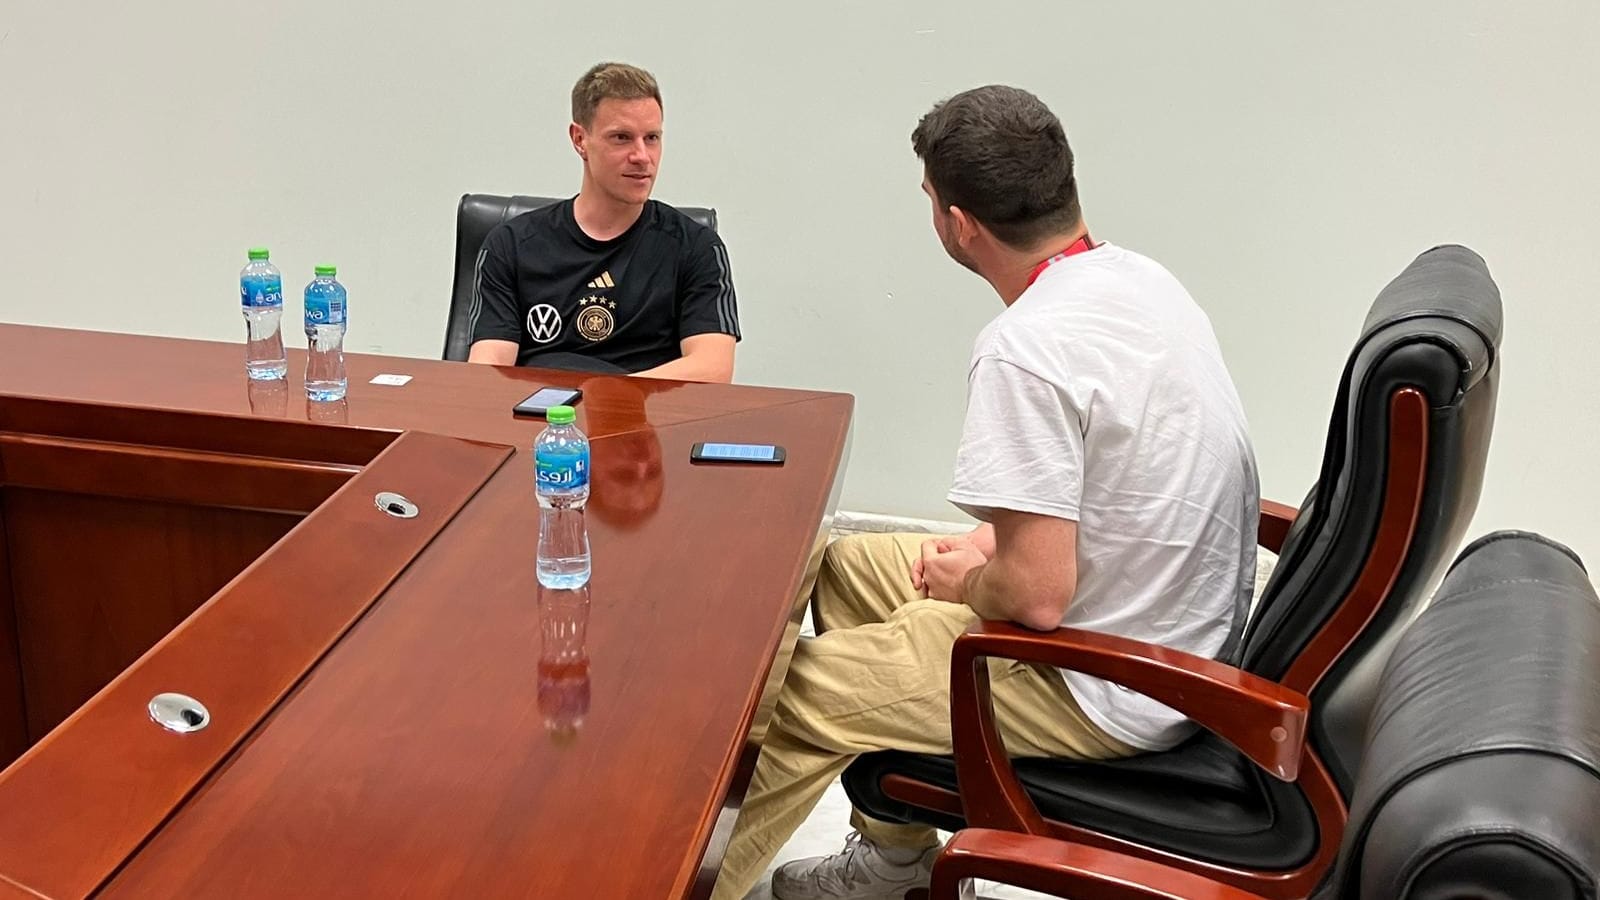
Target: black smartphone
540, 401
769, 454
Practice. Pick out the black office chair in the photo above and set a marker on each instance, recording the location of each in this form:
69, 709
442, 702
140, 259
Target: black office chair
477, 215
1480, 775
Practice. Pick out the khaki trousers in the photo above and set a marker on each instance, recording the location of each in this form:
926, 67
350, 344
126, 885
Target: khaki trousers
877, 677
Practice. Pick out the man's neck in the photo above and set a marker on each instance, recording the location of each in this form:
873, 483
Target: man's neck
1014, 270
601, 217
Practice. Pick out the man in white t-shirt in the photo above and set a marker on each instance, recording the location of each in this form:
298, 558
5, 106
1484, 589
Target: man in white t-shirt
1106, 453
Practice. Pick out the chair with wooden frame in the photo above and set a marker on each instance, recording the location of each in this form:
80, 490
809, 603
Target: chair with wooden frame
1258, 798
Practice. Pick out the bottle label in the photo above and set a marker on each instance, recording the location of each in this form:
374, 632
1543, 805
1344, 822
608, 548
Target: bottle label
261, 291
562, 470
324, 308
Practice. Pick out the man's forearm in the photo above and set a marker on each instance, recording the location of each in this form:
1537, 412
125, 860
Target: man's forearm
993, 595
493, 352
981, 591
694, 367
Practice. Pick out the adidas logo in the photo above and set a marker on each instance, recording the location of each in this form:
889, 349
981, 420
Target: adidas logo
604, 281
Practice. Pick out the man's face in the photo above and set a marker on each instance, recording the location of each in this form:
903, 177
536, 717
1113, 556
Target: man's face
948, 228
621, 148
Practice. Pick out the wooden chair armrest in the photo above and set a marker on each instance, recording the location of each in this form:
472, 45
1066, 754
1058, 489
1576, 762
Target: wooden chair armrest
1263, 719
1065, 870
1274, 526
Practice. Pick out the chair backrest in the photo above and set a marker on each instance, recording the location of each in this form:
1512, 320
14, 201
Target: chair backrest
1482, 773
477, 215
1400, 477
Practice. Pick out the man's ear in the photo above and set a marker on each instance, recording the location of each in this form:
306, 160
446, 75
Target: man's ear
966, 227
579, 140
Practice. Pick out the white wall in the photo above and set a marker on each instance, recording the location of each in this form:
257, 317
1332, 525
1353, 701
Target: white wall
1284, 159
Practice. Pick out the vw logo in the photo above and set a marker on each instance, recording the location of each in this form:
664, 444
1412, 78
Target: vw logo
544, 323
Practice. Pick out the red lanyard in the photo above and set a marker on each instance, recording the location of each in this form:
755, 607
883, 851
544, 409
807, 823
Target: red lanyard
1080, 245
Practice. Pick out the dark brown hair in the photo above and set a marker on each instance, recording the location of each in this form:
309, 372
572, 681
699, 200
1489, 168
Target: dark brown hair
1001, 155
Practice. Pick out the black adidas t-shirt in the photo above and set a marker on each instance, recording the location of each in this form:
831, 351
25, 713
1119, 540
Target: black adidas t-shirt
542, 282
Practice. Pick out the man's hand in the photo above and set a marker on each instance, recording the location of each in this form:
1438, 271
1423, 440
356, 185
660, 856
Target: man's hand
930, 548
942, 569
1027, 575
980, 538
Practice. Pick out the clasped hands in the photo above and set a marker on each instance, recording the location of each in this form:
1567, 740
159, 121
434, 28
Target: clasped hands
940, 573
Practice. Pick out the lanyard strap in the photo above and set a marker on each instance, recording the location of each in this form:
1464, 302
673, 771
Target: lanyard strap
1080, 245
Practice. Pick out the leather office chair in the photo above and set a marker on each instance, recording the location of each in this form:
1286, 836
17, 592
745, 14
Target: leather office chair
1399, 482
1481, 775
476, 216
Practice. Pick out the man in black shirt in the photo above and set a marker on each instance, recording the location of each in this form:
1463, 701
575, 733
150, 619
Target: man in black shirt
611, 276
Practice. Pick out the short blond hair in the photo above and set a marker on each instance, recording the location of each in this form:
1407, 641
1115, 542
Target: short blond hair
611, 81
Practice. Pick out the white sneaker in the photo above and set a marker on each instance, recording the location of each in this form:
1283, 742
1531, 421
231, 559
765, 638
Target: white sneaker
858, 872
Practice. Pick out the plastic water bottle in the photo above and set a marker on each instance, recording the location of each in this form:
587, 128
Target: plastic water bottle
261, 299
561, 469
325, 323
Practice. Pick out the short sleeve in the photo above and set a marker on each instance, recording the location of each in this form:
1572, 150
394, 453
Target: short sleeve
493, 312
1021, 445
707, 304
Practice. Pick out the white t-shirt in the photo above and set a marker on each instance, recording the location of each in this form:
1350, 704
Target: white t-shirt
1100, 396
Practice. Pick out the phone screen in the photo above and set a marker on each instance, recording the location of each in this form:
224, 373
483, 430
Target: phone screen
755, 453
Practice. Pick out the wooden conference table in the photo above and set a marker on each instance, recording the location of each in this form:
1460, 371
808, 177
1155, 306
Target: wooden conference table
392, 708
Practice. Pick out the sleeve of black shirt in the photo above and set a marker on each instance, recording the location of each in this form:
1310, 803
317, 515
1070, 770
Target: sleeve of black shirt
493, 312
706, 301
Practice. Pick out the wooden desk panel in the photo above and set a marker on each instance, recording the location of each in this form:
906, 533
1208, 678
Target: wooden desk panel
198, 430
98, 581
123, 521
13, 715
80, 801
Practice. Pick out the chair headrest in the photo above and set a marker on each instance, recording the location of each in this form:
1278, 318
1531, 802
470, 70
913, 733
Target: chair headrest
1447, 282
484, 211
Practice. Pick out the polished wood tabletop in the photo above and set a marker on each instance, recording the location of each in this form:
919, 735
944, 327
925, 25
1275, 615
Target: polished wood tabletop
459, 732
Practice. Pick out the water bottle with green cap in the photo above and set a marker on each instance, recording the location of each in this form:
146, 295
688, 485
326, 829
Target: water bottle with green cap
561, 478
261, 299
325, 325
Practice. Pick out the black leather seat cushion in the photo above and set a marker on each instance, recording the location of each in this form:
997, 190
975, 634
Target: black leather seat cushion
1202, 800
